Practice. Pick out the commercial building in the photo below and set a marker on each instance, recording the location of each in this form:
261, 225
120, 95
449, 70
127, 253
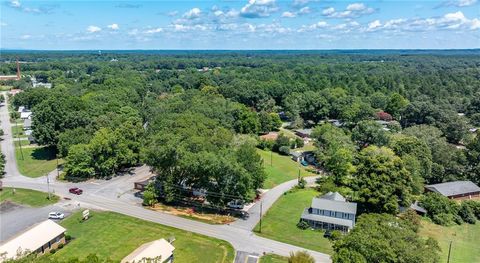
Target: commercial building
40, 238
159, 249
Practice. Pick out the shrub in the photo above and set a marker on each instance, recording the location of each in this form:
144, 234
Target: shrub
466, 213
302, 183
303, 225
475, 206
60, 246
443, 219
53, 251
68, 237
284, 150
457, 219
265, 144
297, 143
300, 257
335, 235
412, 218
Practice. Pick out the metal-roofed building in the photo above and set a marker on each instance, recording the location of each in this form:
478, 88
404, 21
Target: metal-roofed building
158, 249
456, 189
331, 212
40, 238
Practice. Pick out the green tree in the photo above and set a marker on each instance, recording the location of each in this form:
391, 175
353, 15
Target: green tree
381, 182
335, 151
396, 104
384, 238
368, 133
417, 158
79, 162
150, 195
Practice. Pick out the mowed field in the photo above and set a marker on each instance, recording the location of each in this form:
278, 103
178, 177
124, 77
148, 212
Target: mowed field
280, 168
35, 161
465, 241
27, 197
272, 258
280, 222
114, 236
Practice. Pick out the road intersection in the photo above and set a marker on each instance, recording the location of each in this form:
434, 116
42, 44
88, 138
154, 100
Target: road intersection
109, 195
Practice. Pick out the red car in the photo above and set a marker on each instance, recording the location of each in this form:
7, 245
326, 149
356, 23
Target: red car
75, 190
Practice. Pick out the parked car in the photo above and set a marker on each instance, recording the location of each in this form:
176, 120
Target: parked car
75, 190
304, 163
235, 204
56, 215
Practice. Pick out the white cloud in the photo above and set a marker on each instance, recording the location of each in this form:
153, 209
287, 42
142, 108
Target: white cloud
154, 30
374, 25
25, 37
300, 2
450, 21
319, 24
259, 8
288, 14
93, 29
356, 7
15, 4
113, 26
328, 11
351, 11
304, 10
3, 24
458, 3
462, 3
192, 13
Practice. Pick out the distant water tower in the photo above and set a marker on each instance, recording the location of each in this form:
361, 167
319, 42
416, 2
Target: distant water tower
99, 52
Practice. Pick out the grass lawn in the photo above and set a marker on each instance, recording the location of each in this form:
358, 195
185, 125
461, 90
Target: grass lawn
17, 131
465, 241
280, 169
36, 161
21, 142
280, 222
27, 197
115, 236
5, 88
272, 258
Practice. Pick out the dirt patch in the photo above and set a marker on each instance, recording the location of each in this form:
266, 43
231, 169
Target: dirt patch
192, 214
8, 206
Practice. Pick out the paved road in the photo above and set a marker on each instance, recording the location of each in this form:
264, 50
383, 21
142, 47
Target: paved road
109, 195
267, 200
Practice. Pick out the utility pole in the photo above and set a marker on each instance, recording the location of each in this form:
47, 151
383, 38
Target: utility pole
261, 208
58, 172
271, 157
48, 187
19, 142
449, 249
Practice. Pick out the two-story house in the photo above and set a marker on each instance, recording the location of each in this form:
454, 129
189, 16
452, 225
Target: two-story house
331, 212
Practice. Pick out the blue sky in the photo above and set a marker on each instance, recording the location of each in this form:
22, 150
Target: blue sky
240, 24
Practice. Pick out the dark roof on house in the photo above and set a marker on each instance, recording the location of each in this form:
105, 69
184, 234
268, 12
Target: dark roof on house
334, 202
327, 219
454, 188
304, 131
415, 206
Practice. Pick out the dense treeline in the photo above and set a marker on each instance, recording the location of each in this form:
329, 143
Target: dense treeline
192, 116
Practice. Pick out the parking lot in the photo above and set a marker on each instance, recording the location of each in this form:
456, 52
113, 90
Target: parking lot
15, 218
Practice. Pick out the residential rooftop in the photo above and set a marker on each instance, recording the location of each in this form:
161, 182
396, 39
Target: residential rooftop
454, 188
